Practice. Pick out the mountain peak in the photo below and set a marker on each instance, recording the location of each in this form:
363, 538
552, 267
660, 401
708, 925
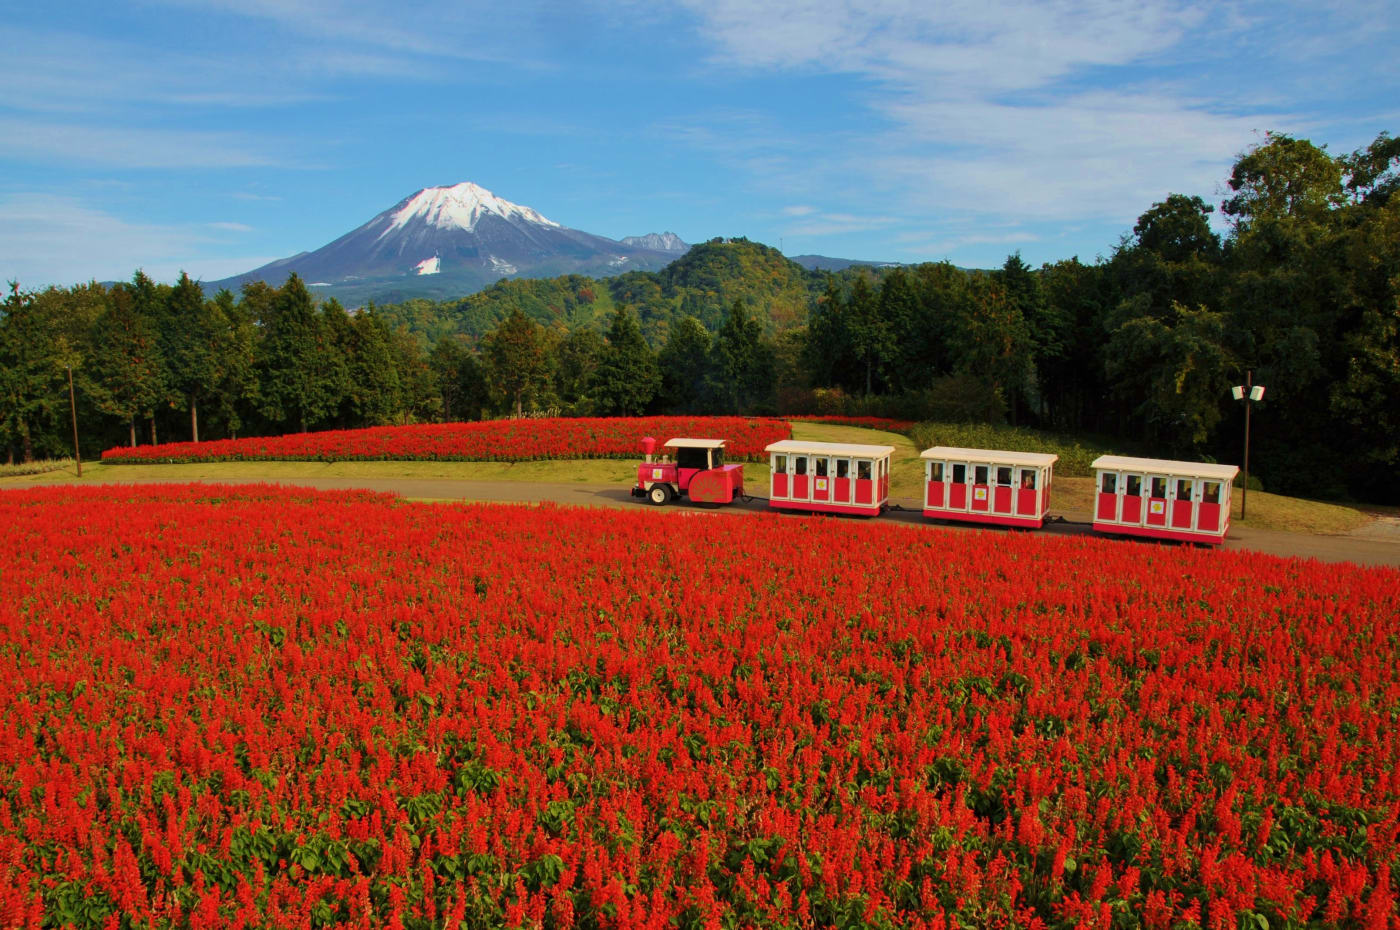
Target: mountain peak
659, 242
460, 206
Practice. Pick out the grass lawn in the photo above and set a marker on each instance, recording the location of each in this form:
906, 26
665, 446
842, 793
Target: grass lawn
1073, 495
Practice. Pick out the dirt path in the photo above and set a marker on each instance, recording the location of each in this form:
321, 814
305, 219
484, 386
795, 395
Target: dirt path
1373, 545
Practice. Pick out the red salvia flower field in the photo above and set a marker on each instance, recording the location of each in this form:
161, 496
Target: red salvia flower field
487, 440
252, 707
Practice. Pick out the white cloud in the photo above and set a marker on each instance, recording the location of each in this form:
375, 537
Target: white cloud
231, 227
799, 210
130, 147
830, 224
1003, 108
48, 240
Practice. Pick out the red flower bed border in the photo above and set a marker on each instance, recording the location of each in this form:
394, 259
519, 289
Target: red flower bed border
485, 441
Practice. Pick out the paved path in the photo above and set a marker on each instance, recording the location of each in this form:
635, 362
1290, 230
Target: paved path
1371, 545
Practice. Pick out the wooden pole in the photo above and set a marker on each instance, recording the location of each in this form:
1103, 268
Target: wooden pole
73, 408
1248, 403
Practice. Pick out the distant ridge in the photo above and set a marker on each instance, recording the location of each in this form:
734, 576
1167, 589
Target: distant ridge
826, 263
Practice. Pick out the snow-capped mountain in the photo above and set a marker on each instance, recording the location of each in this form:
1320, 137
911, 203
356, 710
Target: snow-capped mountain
657, 242
451, 241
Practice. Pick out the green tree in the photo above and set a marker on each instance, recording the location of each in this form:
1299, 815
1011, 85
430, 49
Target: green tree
29, 372
627, 378
742, 369
1283, 177
685, 366
373, 395
236, 391
1177, 371
458, 377
872, 339
301, 369
991, 340
131, 372
518, 361
578, 356
195, 340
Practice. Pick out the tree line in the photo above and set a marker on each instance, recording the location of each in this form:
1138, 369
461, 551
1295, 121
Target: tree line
1302, 289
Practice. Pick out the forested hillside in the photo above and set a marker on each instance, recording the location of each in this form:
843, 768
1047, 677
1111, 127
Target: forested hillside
703, 284
1302, 289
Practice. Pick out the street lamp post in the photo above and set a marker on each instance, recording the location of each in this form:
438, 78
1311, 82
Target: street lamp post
1249, 392
73, 408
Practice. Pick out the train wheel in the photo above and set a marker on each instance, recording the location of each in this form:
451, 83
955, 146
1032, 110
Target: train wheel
660, 494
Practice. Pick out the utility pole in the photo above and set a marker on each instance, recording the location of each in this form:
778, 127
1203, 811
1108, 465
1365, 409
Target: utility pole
73, 408
1249, 393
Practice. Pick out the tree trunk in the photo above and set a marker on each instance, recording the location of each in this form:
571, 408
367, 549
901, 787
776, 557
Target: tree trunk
303, 422
154, 441
133, 432
194, 419
27, 446
869, 364
517, 405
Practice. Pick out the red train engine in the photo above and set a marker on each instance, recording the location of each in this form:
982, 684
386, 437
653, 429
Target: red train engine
698, 472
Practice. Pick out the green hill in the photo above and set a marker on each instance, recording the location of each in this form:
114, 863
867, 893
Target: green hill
703, 283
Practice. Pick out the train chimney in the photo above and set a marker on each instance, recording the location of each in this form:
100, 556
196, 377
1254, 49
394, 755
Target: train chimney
648, 447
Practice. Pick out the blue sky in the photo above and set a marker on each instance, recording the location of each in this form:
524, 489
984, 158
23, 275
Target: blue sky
215, 136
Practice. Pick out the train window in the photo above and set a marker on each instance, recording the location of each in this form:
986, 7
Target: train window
1004, 475
1028, 478
863, 470
959, 473
1159, 487
780, 464
1183, 489
935, 471
799, 465
692, 458
821, 467
716, 457
1133, 487
1110, 482
979, 474
884, 467
843, 468
1210, 492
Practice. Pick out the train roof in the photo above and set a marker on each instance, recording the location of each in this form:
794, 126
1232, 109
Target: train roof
991, 456
1166, 467
854, 450
681, 442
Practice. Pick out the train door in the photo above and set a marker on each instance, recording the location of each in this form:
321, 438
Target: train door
782, 481
1158, 489
841, 482
1026, 492
1107, 508
1003, 490
1210, 512
821, 479
801, 481
936, 493
959, 488
1183, 503
865, 481
1130, 500
981, 490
